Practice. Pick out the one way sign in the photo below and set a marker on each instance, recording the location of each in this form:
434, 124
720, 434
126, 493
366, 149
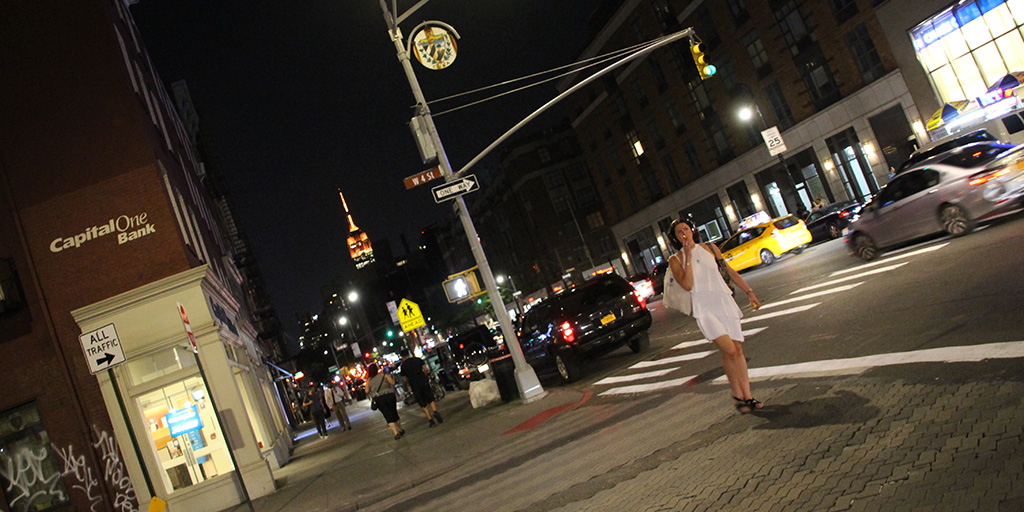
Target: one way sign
455, 188
102, 349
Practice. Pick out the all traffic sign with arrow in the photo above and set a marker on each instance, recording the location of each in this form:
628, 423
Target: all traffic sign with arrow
102, 348
455, 188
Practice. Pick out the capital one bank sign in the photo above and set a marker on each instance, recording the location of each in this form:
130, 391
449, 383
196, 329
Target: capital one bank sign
127, 228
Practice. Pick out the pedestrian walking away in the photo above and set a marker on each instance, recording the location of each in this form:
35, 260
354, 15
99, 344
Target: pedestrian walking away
698, 268
314, 403
381, 389
336, 397
416, 377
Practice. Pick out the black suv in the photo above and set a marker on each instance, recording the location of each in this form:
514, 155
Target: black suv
592, 319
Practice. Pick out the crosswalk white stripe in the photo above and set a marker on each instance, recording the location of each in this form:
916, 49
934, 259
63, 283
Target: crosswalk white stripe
850, 278
672, 360
694, 343
888, 259
854, 365
790, 311
632, 377
643, 388
812, 295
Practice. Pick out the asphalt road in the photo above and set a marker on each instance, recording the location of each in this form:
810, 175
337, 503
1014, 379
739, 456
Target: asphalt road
941, 292
890, 385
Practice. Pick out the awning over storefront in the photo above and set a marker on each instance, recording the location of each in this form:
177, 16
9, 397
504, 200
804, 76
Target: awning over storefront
947, 113
1008, 81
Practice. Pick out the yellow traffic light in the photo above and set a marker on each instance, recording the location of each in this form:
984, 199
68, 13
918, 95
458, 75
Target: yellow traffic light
705, 69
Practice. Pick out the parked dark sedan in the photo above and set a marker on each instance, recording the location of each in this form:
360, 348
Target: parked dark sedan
598, 316
828, 223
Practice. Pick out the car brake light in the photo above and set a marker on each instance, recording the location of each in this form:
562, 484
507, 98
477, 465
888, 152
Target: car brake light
639, 299
844, 214
1007, 93
982, 178
567, 334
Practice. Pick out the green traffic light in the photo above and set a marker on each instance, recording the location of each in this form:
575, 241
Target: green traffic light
710, 69
391, 333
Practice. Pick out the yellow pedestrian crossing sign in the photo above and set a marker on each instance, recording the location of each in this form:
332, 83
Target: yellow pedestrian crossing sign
409, 315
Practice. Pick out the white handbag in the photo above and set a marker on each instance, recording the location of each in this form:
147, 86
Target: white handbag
675, 296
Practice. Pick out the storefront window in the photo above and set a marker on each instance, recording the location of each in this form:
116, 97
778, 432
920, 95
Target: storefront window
185, 434
956, 47
167, 360
29, 472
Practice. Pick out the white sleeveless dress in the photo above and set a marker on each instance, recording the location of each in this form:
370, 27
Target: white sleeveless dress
713, 306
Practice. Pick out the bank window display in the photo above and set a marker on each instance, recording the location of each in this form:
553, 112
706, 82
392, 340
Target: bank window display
29, 470
184, 433
968, 47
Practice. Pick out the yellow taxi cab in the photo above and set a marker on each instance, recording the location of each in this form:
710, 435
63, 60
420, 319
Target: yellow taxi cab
763, 243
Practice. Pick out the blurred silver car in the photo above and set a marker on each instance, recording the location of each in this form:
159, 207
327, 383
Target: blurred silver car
949, 192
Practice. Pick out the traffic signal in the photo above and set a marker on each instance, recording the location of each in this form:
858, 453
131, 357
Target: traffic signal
705, 69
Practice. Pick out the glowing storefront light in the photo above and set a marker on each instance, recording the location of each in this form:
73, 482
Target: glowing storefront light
971, 45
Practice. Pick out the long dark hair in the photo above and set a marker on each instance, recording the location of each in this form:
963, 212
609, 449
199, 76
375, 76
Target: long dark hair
674, 241
372, 370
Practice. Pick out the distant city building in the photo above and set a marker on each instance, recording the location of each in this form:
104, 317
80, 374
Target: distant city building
664, 143
359, 247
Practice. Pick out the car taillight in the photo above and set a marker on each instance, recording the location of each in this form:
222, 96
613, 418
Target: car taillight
567, 333
844, 214
985, 177
640, 300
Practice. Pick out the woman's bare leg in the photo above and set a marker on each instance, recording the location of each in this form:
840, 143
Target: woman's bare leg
742, 372
729, 364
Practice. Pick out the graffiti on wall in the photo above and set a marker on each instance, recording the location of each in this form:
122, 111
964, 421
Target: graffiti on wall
33, 480
76, 469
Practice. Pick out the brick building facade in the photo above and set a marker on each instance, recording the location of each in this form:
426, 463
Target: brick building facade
105, 220
664, 144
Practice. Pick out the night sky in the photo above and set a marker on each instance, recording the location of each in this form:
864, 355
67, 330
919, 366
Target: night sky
300, 98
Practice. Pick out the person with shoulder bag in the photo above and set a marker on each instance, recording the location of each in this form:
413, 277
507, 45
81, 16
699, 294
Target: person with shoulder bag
337, 398
381, 389
701, 272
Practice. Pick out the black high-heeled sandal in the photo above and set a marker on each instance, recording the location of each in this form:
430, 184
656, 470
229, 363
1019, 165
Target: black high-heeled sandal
742, 406
754, 403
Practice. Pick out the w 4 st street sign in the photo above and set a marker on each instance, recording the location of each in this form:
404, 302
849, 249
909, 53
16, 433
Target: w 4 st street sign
455, 188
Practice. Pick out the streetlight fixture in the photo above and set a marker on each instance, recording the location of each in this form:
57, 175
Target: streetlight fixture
353, 296
529, 385
746, 113
526, 378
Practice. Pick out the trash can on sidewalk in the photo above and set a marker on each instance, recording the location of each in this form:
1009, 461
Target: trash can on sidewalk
505, 375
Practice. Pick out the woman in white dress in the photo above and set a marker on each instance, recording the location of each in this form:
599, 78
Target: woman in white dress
695, 267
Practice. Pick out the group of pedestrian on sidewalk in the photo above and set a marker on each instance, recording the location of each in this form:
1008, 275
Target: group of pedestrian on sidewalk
316, 402
416, 378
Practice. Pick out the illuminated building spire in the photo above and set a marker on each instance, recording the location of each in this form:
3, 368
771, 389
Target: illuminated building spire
359, 247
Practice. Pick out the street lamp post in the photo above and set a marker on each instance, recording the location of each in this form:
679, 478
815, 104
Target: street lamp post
746, 114
515, 294
526, 378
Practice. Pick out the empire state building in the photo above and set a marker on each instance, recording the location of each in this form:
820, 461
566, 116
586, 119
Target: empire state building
359, 247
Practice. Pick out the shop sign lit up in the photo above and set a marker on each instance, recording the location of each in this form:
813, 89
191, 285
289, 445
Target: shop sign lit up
183, 421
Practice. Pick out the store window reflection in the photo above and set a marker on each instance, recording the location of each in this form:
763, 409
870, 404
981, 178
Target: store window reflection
185, 434
168, 360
